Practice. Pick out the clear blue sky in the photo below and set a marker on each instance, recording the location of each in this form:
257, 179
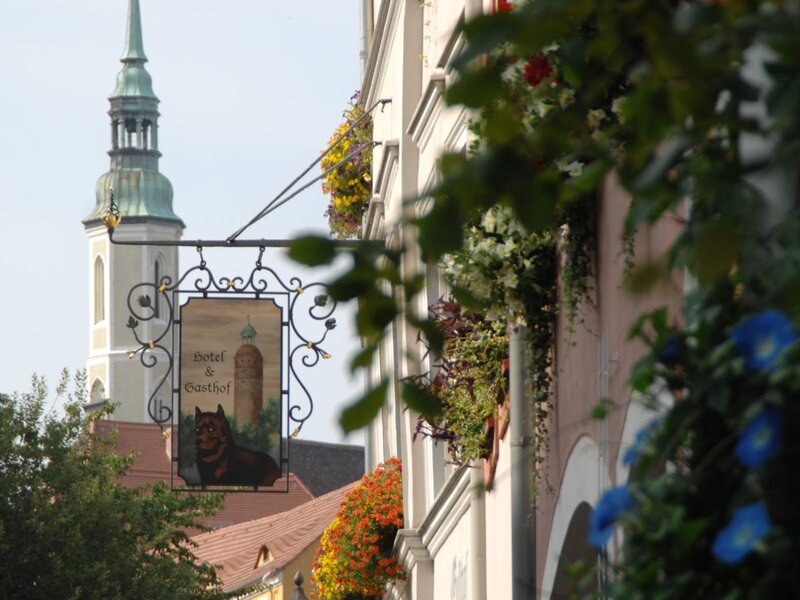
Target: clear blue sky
250, 91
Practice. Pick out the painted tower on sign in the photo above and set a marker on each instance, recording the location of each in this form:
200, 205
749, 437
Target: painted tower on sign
248, 382
144, 198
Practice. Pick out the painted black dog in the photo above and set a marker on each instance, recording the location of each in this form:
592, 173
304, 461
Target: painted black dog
221, 462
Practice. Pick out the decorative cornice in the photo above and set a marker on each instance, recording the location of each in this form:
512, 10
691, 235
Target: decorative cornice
389, 159
410, 548
372, 219
417, 545
387, 17
431, 98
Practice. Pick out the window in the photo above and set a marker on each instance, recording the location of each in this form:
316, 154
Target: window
98, 392
264, 556
99, 290
158, 272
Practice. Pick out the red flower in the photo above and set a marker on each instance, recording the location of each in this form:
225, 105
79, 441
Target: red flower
504, 6
537, 69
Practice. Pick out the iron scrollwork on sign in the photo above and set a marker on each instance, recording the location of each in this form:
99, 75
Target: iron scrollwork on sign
157, 304
148, 350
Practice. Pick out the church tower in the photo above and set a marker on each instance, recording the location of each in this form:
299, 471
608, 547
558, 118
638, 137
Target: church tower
144, 198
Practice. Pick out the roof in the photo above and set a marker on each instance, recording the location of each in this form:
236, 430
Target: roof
324, 467
152, 464
285, 535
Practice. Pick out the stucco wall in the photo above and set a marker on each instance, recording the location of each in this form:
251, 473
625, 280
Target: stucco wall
596, 359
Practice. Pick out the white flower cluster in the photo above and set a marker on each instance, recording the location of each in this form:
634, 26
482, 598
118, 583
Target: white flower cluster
493, 264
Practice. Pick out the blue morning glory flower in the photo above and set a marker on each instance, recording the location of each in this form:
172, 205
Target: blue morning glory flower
761, 438
610, 507
639, 443
671, 351
749, 525
763, 337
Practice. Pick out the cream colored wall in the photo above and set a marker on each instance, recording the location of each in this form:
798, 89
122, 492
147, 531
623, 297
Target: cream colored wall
498, 527
127, 381
451, 564
302, 563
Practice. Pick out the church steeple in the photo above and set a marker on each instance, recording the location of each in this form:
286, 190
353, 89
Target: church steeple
141, 192
144, 198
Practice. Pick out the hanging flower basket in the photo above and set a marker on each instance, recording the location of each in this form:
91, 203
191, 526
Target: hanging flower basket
467, 378
355, 559
349, 183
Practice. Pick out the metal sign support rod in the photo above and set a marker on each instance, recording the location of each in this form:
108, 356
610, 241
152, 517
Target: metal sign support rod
262, 243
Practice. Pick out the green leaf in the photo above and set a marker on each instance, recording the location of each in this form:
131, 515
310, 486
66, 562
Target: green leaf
361, 412
466, 299
375, 313
501, 126
440, 231
433, 334
477, 87
655, 171
484, 33
312, 250
422, 401
715, 252
691, 16
354, 283
363, 358
646, 275
600, 410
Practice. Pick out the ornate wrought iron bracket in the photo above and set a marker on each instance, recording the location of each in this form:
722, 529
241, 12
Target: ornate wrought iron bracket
157, 304
262, 282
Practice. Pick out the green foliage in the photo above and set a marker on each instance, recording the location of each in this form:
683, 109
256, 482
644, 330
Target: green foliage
668, 95
360, 413
69, 530
460, 394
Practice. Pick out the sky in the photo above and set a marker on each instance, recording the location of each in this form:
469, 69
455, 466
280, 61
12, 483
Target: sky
250, 92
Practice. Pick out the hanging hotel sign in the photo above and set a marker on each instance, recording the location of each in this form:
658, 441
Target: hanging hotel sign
229, 349
230, 390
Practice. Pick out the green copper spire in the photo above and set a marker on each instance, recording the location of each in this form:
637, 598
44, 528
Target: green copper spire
134, 80
134, 48
141, 192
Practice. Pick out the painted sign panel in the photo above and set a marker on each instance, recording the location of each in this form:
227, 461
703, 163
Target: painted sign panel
230, 392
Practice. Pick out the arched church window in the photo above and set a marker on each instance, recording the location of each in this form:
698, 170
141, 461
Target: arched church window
99, 290
98, 391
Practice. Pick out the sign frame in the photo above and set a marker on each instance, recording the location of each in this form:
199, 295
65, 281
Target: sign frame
297, 347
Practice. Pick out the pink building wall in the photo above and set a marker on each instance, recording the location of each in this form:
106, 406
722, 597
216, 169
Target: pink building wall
579, 382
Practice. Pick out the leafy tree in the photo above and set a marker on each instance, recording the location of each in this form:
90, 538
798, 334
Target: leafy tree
68, 529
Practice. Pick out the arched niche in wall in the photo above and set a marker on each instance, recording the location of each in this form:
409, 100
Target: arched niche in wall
580, 484
576, 548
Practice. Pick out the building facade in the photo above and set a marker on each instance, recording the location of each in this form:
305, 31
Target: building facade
457, 540
144, 198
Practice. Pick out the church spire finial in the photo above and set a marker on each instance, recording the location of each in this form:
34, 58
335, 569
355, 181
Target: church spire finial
134, 47
134, 81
